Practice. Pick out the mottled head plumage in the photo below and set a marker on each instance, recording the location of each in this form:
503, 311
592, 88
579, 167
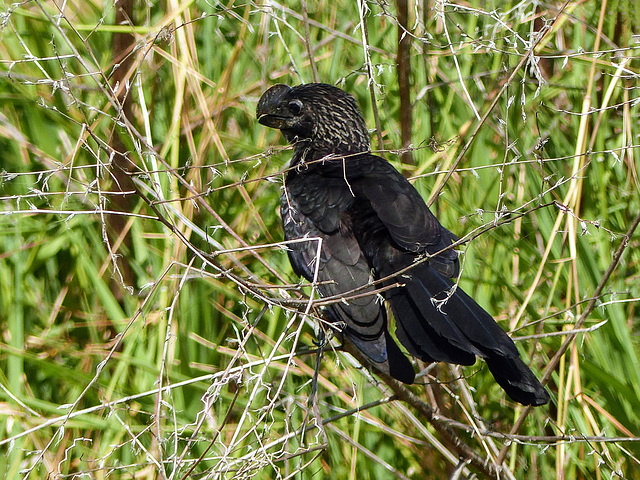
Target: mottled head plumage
318, 116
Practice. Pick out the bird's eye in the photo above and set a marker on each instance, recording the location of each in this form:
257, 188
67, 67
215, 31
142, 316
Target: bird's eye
295, 106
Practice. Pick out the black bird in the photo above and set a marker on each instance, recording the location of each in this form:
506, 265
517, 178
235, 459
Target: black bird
374, 225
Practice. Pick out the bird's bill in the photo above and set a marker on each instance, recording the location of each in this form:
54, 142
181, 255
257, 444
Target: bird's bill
273, 121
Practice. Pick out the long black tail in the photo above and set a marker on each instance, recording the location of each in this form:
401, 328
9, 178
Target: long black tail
436, 323
379, 346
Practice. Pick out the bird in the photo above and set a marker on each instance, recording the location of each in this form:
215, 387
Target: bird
371, 241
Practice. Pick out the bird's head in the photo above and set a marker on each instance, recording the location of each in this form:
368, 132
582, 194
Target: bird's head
317, 116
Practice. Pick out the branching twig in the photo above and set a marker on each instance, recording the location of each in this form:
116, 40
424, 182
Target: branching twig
540, 36
553, 363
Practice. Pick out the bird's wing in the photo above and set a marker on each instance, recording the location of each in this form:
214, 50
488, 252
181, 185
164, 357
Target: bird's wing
320, 198
343, 273
397, 204
342, 269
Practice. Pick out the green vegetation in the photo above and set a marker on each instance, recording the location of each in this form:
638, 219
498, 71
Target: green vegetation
160, 332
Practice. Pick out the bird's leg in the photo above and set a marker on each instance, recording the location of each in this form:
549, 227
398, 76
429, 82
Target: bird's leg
312, 402
313, 399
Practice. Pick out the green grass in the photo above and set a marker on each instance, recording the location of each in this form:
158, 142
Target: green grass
126, 351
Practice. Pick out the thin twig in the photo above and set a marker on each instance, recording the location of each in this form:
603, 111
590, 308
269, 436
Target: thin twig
307, 41
403, 60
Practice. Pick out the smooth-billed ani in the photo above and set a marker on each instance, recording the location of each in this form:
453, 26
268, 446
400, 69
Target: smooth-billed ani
373, 224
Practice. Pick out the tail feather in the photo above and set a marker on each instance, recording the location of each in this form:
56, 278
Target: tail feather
517, 379
380, 347
386, 355
477, 326
420, 337
457, 330
400, 367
